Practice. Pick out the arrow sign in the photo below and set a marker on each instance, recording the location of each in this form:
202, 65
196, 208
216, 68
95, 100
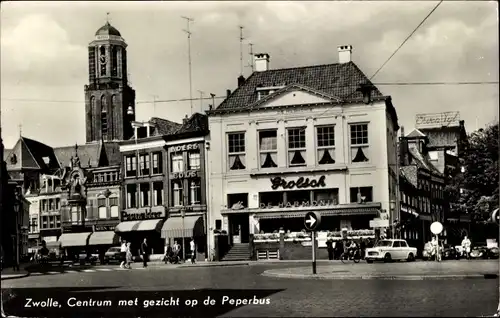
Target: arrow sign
312, 220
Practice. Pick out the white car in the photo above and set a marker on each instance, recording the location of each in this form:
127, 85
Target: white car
389, 250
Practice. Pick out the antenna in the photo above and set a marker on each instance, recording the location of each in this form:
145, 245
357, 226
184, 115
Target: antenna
241, 49
107, 17
20, 130
201, 100
188, 31
250, 64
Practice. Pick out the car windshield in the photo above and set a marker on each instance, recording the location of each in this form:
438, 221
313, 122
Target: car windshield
114, 249
385, 243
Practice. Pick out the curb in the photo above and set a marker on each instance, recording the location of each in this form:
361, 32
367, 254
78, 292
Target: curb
380, 277
16, 276
214, 265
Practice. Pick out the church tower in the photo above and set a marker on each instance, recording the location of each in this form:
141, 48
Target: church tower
109, 100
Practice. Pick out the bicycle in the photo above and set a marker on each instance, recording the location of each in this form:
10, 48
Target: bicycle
347, 256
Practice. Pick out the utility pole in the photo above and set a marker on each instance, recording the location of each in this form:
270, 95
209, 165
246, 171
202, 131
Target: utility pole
188, 31
201, 100
241, 50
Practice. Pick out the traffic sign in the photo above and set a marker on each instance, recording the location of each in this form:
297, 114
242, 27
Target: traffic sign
495, 217
436, 228
312, 220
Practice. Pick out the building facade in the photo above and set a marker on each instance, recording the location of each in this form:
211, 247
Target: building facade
289, 141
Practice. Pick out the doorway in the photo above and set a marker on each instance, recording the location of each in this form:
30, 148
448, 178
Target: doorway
239, 228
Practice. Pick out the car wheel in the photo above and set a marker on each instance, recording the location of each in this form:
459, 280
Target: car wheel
369, 261
411, 258
387, 258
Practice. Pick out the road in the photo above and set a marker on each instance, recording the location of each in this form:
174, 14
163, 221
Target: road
288, 297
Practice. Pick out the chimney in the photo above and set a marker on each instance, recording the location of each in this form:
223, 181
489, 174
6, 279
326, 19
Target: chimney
185, 120
261, 62
345, 52
228, 92
241, 80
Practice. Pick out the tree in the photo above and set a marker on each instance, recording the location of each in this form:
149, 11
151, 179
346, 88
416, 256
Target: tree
475, 191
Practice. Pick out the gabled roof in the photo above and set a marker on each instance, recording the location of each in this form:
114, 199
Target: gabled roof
341, 80
90, 155
164, 126
196, 123
31, 154
416, 133
6, 153
423, 161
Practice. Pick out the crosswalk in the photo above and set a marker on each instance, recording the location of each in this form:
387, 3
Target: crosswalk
94, 270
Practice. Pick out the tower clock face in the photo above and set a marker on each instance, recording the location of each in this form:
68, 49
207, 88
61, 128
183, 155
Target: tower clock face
102, 59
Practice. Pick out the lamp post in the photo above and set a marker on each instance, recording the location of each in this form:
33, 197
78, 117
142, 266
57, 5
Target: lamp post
393, 218
183, 214
16, 210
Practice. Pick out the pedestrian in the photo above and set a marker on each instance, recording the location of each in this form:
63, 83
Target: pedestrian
329, 248
466, 244
123, 253
145, 253
192, 245
168, 254
128, 256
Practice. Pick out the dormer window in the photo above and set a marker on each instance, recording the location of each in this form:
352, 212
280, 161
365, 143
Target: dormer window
265, 91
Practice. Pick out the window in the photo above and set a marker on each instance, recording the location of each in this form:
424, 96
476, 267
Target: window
157, 193
261, 94
330, 196
268, 147
297, 146
144, 164
157, 163
104, 116
108, 177
52, 221
102, 52
131, 166
361, 194
267, 199
237, 200
178, 195
74, 214
45, 222
51, 205
326, 145
58, 204
43, 205
34, 225
58, 221
359, 143
194, 161
177, 163
236, 151
194, 192
101, 204
131, 196
145, 192
114, 61
113, 203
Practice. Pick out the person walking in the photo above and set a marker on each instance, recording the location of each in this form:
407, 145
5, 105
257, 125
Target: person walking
329, 248
145, 253
123, 253
192, 246
128, 256
466, 244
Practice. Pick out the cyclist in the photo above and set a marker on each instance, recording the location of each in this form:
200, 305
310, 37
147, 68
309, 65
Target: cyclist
352, 248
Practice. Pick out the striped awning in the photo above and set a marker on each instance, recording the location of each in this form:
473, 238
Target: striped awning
74, 239
135, 226
301, 214
104, 238
175, 227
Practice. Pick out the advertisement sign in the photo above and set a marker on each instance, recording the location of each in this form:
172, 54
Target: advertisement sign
437, 120
143, 215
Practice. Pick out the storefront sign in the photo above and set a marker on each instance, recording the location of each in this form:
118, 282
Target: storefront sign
297, 204
301, 183
186, 174
437, 119
141, 216
186, 147
102, 228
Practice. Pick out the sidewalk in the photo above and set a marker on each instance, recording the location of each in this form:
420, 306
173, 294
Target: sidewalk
394, 271
10, 273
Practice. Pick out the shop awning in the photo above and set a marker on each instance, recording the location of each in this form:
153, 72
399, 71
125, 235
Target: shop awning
134, 226
74, 239
174, 227
104, 238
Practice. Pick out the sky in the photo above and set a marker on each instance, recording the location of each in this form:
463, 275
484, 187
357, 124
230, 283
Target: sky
44, 55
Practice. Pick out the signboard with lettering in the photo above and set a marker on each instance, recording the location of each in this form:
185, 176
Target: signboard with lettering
185, 147
300, 183
437, 120
298, 204
147, 215
102, 228
185, 174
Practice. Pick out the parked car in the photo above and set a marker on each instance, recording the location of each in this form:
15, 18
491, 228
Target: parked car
112, 255
86, 257
479, 252
389, 250
450, 252
493, 252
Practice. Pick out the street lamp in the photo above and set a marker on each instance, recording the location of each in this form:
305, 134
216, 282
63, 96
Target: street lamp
183, 214
17, 206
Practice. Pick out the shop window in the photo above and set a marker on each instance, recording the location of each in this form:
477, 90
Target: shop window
267, 199
101, 205
131, 166
157, 163
114, 208
157, 193
361, 194
330, 196
177, 163
359, 143
237, 201
194, 161
195, 192
145, 193
296, 146
325, 137
178, 194
236, 151
144, 164
268, 148
34, 225
131, 196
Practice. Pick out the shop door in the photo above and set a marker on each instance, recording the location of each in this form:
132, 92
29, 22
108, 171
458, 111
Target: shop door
239, 230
